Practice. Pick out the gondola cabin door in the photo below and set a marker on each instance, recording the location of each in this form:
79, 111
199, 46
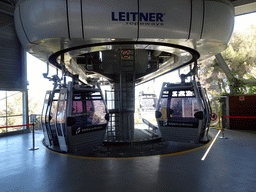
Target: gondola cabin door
46, 131
61, 119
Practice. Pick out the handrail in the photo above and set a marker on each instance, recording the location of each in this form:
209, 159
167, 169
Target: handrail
149, 124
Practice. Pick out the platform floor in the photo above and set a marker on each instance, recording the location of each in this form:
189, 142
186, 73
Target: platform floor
143, 144
229, 166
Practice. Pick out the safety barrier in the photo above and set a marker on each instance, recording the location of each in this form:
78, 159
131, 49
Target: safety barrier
34, 148
221, 128
240, 117
15, 126
232, 117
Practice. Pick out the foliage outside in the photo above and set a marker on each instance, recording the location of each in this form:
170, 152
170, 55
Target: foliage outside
14, 109
240, 57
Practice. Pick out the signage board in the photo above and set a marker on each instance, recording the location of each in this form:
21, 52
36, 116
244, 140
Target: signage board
241, 98
33, 118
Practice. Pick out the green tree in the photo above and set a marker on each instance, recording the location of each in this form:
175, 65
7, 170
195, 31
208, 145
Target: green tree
240, 57
35, 105
15, 108
212, 77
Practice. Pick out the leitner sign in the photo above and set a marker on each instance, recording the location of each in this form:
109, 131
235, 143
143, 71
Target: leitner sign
133, 16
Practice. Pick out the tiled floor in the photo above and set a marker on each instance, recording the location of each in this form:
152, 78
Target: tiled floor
229, 166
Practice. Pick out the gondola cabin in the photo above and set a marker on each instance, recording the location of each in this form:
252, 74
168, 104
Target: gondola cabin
74, 118
182, 113
147, 105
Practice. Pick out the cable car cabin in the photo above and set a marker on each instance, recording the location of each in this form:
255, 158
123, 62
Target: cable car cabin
48, 117
74, 118
182, 113
147, 105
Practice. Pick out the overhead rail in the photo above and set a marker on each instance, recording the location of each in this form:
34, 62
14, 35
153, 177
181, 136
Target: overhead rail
163, 38
193, 53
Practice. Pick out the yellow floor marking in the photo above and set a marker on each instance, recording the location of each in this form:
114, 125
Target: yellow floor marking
127, 158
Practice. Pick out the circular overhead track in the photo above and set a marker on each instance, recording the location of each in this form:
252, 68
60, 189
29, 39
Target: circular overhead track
194, 54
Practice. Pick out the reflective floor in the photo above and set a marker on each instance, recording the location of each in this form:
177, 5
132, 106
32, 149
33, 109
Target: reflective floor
229, 166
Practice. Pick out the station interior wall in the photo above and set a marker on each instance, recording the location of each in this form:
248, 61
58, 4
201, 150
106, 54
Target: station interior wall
13, 74
240, 107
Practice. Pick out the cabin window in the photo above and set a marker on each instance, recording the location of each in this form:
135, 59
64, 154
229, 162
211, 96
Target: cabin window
61, 114
88, 108
184, 107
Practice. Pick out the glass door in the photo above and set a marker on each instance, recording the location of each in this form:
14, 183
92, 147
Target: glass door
61, 119
47, 132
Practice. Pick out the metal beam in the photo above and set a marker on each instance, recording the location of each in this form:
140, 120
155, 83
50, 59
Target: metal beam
6, 12
6, 8
226, 70
241, 2
224, 66
245, 9
229, 75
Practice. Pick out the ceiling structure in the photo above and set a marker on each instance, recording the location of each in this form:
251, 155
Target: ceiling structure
241, 6
244, 6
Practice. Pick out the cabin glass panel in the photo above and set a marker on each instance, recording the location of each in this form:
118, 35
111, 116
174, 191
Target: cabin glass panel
43, 113
61, 114
183, 107
89, 108
179, 108
54, 108
52, 115
163, 108
148, 102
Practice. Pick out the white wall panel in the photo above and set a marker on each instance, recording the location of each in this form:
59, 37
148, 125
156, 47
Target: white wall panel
175, 21
44, 19
19, 28
75, 19
12, 65
218, 21
197, 19
108, 19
